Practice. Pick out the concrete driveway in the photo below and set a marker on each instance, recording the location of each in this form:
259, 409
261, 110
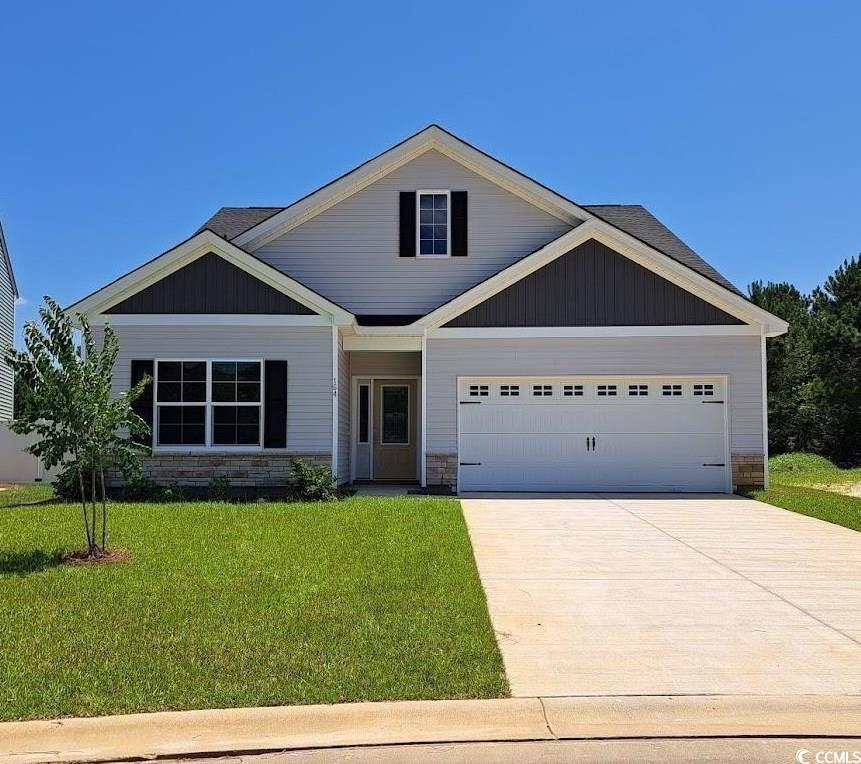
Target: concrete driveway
668, 595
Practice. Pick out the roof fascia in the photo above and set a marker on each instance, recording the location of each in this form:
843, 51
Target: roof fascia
431, 138
8, 259
626, 245
198, 245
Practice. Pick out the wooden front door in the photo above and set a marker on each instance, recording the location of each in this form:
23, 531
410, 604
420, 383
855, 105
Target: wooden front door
395, 429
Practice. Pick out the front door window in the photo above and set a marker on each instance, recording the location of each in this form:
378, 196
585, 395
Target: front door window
395, 415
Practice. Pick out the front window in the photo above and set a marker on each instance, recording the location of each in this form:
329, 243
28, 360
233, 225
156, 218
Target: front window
433, 228
208, 403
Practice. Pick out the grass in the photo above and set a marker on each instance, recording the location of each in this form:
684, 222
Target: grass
797, 482
225, 605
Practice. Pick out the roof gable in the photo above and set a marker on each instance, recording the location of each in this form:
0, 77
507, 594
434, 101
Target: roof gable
592, 285
201, 244
6, 262
432, 137
210, 284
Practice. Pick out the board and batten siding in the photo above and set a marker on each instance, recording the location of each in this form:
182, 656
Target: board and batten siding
307, 350
737, 357
7, 337
350, 251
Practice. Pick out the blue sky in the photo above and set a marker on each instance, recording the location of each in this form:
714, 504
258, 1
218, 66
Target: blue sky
123, 126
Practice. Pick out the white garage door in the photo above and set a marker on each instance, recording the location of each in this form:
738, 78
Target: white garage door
592, 434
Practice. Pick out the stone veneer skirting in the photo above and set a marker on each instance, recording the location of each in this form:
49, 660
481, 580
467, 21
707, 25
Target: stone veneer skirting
748, 470
271, 468
442, 470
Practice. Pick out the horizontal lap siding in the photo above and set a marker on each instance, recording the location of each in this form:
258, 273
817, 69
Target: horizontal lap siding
307, 350
366, 363
7, 334
739, 357
350, 252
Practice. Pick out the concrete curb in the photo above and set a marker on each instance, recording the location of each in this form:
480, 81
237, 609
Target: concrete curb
261, 730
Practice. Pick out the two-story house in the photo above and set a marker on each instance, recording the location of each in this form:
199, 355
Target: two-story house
436, 316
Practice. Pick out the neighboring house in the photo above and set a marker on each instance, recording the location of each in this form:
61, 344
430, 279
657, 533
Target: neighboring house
436, 316
8, 295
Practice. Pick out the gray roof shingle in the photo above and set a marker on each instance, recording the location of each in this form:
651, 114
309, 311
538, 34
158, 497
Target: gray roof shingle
634, 219
229, 222
643, 225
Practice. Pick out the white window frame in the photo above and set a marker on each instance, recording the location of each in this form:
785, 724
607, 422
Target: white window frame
383, 387
428, 191
209, 405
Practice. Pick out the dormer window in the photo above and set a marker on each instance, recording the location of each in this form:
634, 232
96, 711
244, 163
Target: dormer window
433, 234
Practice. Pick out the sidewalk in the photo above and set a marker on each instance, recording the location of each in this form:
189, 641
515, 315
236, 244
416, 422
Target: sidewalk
260, 730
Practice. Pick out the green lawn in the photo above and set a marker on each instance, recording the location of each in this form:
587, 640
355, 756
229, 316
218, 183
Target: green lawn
240, 605
792, 478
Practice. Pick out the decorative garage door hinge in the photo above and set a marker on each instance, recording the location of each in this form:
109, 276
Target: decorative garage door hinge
470, 403
714, 464
470, 464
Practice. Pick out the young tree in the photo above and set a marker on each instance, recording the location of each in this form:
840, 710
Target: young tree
70, 407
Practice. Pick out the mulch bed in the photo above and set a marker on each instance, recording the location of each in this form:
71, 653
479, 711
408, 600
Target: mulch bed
110, 555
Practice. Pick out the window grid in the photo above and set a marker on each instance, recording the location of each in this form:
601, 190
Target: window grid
433, 227
509, 391
540, 391
638, 390
186, 416
479, 391
572, 391
700, 390
671, 390
606, 390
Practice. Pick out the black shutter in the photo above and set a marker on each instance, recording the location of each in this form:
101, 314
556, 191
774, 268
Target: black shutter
408, 224
143, 405
275, 405
459, 217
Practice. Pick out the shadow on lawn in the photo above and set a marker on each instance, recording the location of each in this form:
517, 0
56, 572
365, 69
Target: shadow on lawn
24, 563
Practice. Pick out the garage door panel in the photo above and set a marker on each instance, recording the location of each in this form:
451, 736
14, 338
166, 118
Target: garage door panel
524, 418
615, 434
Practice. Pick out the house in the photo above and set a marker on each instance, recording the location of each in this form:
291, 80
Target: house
8, 295
436, 316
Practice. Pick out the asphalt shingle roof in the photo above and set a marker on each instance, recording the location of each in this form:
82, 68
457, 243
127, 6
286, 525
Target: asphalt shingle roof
634, 219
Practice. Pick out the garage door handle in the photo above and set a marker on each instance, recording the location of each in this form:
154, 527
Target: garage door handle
470, 464
593, 443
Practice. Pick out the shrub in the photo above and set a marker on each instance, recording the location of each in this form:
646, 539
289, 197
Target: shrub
219, 488
801, 462
141, 488
312, 482
67, 486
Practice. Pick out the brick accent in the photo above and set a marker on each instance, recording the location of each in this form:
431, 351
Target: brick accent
748, 470
442, 470
271, 468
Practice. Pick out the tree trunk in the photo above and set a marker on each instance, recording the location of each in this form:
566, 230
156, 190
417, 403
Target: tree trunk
84, 508
104, 511
95, 547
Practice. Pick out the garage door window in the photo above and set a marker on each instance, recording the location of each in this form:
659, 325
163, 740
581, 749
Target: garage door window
606, 390
542, 391
478, 391
572, 391
700, 390
638, 390
509, 391
672, 391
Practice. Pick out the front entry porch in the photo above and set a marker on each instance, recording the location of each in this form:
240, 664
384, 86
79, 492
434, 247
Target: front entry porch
385, 432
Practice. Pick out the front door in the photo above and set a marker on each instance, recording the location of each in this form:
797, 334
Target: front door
395, 431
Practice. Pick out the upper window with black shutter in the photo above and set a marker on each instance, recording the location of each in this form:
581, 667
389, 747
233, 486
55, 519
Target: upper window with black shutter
434, 223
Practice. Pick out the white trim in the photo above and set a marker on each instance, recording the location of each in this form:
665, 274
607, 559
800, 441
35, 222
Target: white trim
433, 192
515, 332
208, 405
431, 138
205, 319
336, 373
625, 245
764, 375
188, 251
383, 343
423, 476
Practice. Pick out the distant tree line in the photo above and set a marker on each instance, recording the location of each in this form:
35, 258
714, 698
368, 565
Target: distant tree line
814, 371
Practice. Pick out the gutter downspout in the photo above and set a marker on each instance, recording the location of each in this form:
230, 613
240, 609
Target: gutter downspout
764, 364
335, 402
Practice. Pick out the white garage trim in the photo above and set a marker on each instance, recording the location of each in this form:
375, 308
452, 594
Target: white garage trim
493, 391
